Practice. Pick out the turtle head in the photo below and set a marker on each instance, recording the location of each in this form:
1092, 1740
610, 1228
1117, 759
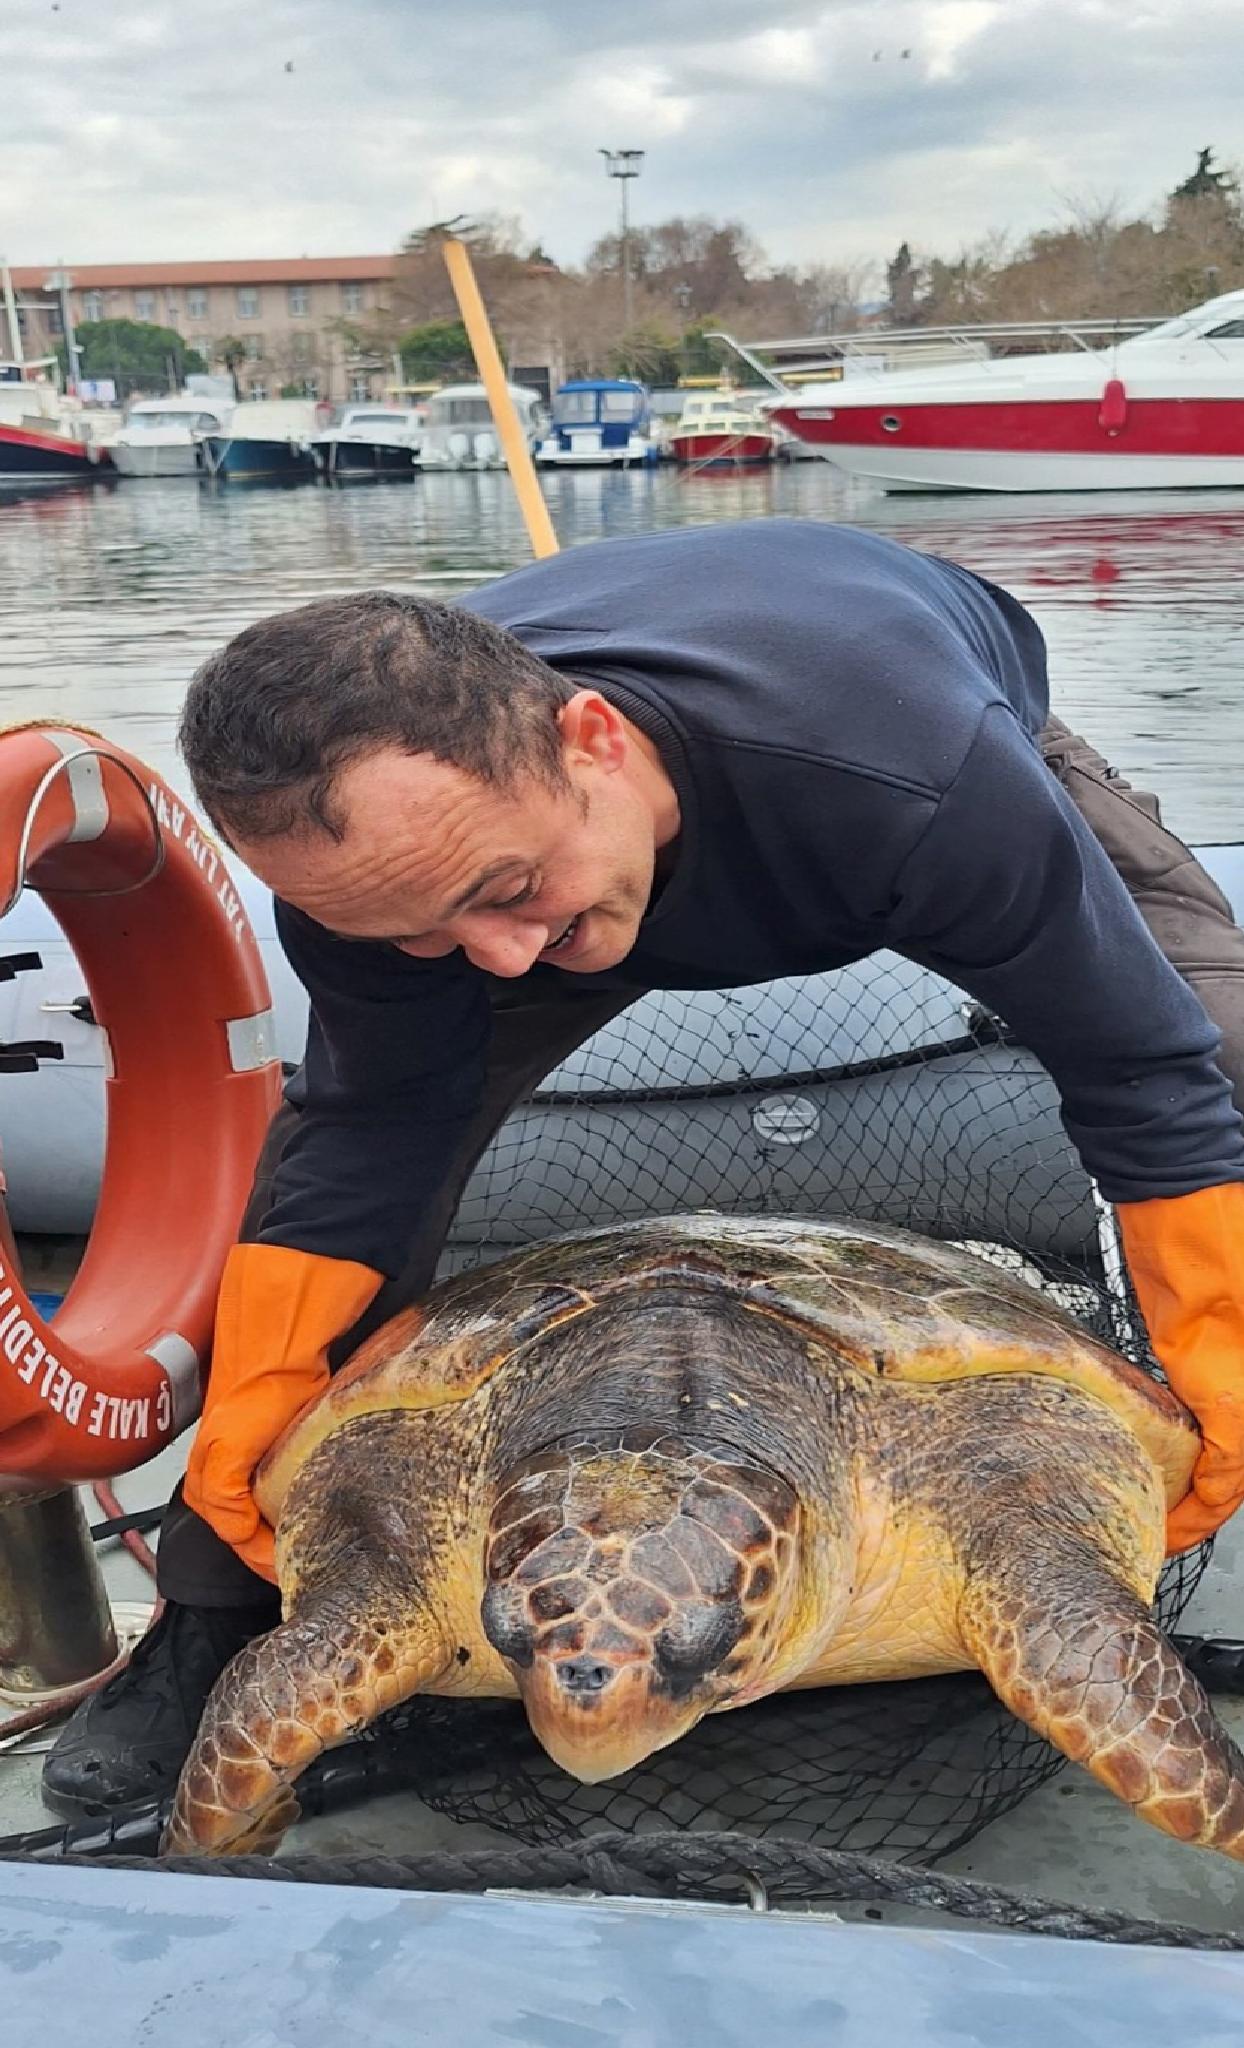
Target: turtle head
634, 1588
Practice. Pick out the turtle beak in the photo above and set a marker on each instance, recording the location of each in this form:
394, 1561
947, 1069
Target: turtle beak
598, 1718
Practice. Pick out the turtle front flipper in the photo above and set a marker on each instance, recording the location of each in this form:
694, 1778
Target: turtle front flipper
1078, 1656
312, 1683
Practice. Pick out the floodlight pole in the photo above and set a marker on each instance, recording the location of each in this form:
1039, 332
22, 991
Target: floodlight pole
624, 164
60, 283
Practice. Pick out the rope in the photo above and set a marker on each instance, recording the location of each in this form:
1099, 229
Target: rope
665, 1865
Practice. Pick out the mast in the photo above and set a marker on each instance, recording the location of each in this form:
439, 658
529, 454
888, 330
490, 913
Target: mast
10, 310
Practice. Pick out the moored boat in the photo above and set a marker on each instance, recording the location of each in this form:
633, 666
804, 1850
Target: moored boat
44, 436
600, 423
371, 441
719, 430
161, 436
459, 432
267, 440
1161, 410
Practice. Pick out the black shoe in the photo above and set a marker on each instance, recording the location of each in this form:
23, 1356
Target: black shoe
130, 1739
1218, 1663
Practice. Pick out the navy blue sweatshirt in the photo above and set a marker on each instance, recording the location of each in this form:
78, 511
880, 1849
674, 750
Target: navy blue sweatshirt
849, 727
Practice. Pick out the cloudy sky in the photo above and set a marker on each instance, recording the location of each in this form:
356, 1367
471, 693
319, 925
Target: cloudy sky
140, 129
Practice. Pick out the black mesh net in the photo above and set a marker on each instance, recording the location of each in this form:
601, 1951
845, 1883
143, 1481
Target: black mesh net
878, 1093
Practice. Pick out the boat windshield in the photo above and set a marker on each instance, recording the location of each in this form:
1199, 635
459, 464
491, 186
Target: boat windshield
575, 408
1192, 326
619, 405
196, 422
465, 412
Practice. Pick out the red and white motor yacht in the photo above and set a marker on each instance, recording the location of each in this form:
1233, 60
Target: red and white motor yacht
1161, 410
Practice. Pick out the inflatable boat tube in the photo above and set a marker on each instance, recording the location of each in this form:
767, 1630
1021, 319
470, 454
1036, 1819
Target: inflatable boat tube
873, 1091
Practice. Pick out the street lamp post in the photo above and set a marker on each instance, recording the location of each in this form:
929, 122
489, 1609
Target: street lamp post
624, 164
60, 282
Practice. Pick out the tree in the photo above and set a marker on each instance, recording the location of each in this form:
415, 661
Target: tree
902, 276
1206, 181
651, 354
136, 354
231, 350
438, 349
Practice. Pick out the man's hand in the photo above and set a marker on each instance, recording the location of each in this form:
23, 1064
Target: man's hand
1186, 1258
277, 1313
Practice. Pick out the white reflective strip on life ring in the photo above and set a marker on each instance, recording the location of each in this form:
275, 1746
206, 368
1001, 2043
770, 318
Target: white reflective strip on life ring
252, 1041
181, 1362
85, 777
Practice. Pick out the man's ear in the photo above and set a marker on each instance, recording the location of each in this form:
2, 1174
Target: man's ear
592, 731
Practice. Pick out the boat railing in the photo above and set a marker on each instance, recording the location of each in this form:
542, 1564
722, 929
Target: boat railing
792, 359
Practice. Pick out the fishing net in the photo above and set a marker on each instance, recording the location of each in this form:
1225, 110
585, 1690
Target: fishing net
878, 1093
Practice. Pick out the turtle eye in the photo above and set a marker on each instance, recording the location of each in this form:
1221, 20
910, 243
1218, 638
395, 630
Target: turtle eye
507, 1625
694, 1641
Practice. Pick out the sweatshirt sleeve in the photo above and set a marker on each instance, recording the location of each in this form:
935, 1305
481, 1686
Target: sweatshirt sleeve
1008, 894
393, 1072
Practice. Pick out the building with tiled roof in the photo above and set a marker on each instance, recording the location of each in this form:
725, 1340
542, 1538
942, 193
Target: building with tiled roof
289, 312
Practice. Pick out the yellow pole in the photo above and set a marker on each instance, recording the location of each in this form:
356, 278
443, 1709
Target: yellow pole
488, 362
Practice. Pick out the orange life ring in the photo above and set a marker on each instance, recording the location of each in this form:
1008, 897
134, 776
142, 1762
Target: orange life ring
177, 984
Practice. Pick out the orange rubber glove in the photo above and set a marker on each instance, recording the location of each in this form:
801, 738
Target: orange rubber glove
277, 1313
1186, 1258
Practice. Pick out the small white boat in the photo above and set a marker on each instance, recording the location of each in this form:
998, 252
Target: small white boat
161, 436
1162, 410
371, 440
266, 441
460, 432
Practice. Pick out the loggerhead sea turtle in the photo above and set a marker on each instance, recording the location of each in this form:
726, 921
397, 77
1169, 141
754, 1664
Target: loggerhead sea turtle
648, 1473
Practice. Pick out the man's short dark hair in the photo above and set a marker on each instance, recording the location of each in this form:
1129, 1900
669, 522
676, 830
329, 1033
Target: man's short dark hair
271, 720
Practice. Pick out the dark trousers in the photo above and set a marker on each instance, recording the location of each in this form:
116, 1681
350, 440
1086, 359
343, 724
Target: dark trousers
1187, 913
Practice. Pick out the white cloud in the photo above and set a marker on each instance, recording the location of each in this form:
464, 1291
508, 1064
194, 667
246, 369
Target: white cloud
950, 28
133, 129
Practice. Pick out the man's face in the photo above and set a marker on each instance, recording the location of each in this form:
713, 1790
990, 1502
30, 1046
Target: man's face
433, 859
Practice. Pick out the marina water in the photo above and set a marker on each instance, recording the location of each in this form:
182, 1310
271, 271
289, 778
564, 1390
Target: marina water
111, 593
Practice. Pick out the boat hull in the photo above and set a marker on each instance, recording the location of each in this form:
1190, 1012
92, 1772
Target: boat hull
27, 457
1039, 444
265, 461
722, 451
173, 460
582, 453
361, 459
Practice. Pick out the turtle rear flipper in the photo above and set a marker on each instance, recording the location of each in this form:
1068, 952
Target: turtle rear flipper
315, 1681
1078, 1656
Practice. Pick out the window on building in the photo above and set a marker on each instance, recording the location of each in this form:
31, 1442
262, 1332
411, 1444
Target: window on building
196, 304
258, 389
254, 347
55, 324
144, 305
299, 299
248, 302
170, 312
351, 298
360, 388
303, 344
92, 305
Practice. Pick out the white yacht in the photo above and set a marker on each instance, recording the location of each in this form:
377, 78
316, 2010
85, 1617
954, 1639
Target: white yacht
460, 432
161, 436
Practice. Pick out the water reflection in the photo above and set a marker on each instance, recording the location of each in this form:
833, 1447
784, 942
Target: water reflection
112, 593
